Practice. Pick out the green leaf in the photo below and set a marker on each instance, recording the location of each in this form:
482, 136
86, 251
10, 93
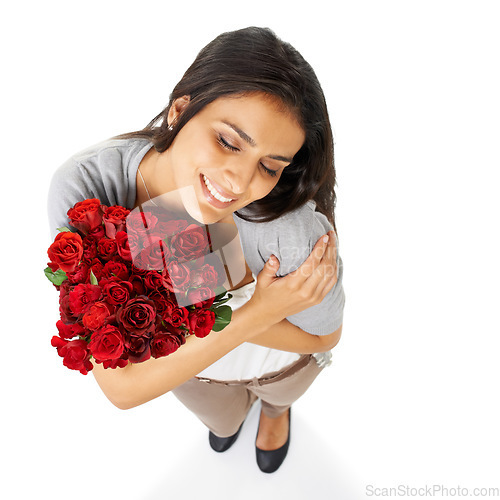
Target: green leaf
223, 312
222, 301
219, 324
64, 229
222, 317
56, 278
93, 279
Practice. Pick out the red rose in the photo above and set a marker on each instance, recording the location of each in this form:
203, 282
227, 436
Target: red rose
65, 311
154, 256
123, 246
153, 280
190, 243
75, 354
68, 331
82, 297
176, 278
65, 287
201, 321
206, 276
96, 233
201, 297
114, 220
66, 251
163, 344
161, 300
179, 332
141, 222
177, 316
138, 315
106, 248
209, 276
86, 215
139, 272
212, 271
138, 284
80, 274
135, 244
89, 248
115, 363
67, 315
96, 266
170, 227
138, 347
96, 316
167, 306
115, 291
107, 343
118, 269
53, 266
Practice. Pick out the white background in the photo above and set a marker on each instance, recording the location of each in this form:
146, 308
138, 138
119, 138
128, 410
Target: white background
412, 396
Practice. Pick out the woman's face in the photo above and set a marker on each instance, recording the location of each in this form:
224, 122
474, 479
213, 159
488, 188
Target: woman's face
231, 153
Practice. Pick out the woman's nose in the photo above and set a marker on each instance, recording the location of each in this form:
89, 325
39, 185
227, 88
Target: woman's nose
238, 178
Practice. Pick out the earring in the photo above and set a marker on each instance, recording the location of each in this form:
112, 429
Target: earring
171, 128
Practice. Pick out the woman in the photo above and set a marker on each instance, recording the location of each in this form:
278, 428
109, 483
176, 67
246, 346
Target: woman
247, 134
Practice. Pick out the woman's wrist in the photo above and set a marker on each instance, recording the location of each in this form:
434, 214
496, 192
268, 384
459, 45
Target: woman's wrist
257, 317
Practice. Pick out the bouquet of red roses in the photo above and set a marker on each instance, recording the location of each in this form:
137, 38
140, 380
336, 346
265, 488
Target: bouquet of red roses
133, 285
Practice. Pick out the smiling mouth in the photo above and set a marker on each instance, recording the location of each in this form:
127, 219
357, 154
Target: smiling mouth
214, 192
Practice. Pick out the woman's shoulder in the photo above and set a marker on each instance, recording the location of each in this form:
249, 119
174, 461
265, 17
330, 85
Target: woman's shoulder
301, 217
290, 237
106, 161
302, 224
104, 170
109, 147
301, 220
104, 155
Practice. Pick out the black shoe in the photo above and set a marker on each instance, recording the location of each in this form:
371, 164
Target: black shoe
270, 460
222, 444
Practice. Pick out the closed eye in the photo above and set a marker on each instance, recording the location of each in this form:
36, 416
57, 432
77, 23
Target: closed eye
272, 173
226, 145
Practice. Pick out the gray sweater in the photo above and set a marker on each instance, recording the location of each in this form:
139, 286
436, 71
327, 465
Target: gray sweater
108, 170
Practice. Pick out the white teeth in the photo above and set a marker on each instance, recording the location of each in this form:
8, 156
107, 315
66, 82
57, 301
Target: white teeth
214, 191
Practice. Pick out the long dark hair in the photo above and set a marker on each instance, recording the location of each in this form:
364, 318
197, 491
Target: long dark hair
256, 60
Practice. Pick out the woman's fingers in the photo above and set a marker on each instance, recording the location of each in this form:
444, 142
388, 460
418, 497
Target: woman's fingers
330, 258
331, 252
321, 275
328, 282
314, 259
323, 254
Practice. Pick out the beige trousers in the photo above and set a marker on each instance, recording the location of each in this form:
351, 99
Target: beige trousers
223, 406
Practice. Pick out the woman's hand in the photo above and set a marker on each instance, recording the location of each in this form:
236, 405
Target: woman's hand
276, 298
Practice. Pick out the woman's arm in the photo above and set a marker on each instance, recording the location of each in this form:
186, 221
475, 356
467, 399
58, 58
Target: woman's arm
287, 337
136, 384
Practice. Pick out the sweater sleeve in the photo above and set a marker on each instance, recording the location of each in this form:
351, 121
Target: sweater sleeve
106, 171
291, 239
67, 187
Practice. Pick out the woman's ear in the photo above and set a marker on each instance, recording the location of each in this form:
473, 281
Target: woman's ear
176, 109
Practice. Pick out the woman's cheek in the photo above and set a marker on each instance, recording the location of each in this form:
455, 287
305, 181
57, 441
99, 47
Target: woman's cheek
266, 186
207, 158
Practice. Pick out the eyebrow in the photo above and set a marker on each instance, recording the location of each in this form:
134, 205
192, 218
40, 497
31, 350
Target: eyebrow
252, 143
